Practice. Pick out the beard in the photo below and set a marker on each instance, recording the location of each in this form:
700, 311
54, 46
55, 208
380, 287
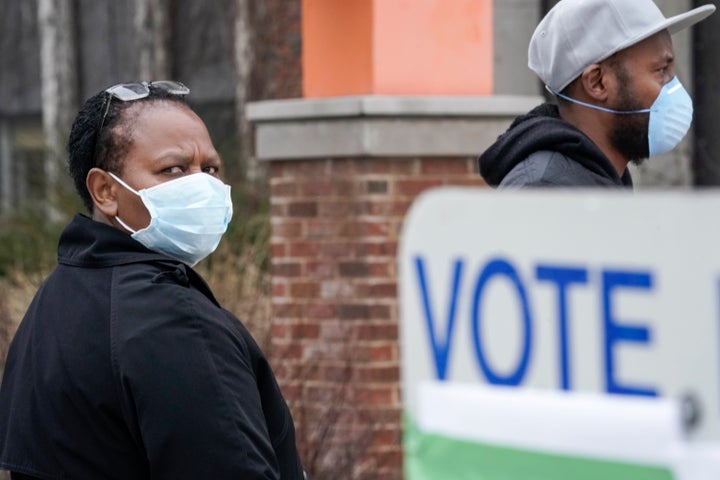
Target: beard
629, 135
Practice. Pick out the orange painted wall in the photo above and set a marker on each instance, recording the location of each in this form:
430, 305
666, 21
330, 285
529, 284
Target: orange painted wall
433, 47
397, 47
337, 47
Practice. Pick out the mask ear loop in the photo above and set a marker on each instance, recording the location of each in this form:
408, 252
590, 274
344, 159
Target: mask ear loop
117, 179
590, 105
123, 224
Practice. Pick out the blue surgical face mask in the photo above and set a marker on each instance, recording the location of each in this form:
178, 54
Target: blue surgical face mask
670, 116
188, 216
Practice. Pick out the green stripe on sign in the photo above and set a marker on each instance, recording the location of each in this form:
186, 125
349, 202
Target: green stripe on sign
436, 457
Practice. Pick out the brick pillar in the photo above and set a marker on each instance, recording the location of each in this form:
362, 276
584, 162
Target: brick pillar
334, 282
343, 173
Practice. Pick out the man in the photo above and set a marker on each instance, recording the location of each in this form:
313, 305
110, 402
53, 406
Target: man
125, 366
610, 63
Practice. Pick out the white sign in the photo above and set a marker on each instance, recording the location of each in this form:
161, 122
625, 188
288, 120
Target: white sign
581, 291
469, 431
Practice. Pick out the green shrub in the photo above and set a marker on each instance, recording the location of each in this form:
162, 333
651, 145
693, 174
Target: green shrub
28, 242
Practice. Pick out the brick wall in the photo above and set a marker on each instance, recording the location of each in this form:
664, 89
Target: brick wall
335, 230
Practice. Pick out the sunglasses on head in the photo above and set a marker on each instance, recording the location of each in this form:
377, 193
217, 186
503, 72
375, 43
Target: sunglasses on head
127, 92
134, 91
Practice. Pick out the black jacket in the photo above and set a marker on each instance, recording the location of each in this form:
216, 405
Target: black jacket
125, 367
541, 149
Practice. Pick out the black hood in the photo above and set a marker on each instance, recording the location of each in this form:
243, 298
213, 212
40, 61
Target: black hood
543, 130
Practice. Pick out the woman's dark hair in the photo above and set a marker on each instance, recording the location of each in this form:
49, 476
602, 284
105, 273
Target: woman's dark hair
88, 148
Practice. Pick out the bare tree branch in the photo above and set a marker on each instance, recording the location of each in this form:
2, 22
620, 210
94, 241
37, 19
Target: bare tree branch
244, 59
59, 86
152, 30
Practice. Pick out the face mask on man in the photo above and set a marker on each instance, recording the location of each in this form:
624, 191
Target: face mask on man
188, 216
670, 116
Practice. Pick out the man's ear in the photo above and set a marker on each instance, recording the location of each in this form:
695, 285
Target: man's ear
593, 82
103, 191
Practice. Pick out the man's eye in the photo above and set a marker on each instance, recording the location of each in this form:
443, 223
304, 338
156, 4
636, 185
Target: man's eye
173, 170
211, 170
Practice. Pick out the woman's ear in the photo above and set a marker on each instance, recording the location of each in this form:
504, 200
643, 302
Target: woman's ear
103, 191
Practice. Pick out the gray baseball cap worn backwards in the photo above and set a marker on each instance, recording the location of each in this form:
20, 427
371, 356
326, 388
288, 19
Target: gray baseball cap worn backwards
578, 33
